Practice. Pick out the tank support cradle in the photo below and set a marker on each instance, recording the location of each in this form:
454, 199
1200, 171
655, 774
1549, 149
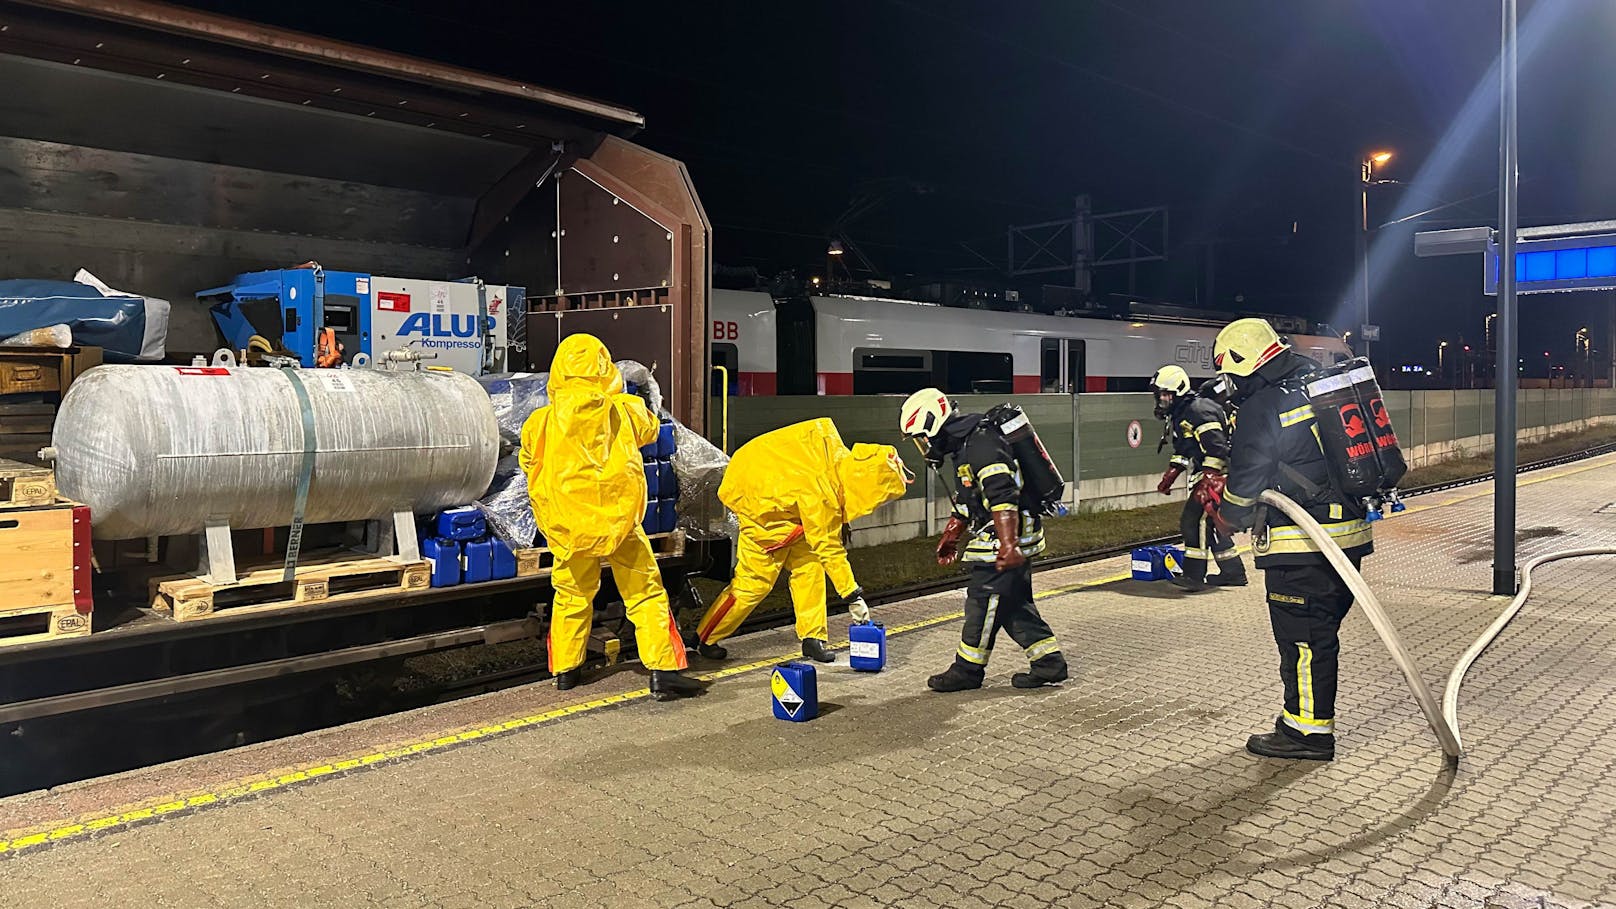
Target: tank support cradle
396, 539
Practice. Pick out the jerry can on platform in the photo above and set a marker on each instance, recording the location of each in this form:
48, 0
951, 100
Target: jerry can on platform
794, 691
867, 646
1157, 563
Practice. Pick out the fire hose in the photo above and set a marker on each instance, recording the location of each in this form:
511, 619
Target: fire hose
1444, 720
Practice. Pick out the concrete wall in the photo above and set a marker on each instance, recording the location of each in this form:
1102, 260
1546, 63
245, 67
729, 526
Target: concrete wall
1115, 474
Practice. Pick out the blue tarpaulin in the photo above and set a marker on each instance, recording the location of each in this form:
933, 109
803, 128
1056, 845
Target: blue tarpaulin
115, 324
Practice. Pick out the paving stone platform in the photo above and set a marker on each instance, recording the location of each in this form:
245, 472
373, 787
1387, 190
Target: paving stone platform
1128, 786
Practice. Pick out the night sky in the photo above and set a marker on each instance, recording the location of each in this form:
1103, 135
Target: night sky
1246, 118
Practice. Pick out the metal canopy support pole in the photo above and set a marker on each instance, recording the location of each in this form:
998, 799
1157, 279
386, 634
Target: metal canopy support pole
1504, 576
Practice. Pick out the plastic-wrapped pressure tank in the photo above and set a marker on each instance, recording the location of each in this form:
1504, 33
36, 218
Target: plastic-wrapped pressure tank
160, 450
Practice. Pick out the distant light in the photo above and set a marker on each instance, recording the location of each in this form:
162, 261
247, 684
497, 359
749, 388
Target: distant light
1136, 325
1381, 157
815, 280
1467, 348
835, 248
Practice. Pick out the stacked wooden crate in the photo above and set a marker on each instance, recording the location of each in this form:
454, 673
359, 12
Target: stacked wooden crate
44, 558
32, 382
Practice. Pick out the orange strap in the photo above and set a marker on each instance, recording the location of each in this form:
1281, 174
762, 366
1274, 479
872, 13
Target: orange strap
796, 534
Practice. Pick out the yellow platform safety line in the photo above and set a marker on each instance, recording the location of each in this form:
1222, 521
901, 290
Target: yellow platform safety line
157, 809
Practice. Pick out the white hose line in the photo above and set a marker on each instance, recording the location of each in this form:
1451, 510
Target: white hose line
1446, 734
1450, 696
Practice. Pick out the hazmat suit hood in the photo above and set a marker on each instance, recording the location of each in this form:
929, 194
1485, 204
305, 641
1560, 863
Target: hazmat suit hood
581, 453
870, 476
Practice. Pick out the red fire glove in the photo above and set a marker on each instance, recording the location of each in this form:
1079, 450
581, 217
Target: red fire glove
1209, 489
1224, 527
1169, 476
948, 546
1007, 524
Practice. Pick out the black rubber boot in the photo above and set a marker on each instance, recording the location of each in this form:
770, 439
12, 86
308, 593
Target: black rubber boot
712, 652
568, 679
1282, 744
815, 649
668, 685
956, 677
1187, 583
1046, 670
1231, 573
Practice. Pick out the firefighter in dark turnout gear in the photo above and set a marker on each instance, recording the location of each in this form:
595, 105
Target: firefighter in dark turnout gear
1199, 429
1000, 534
1276, 446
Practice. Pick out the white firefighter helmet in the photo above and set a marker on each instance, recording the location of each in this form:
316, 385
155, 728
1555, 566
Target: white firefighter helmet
923, 414
1171, 378
1244, 345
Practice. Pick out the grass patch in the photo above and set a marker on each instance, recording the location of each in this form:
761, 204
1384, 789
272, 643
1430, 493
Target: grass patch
1554, 446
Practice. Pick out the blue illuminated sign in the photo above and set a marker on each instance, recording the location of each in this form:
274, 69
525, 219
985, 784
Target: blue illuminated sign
1571, 263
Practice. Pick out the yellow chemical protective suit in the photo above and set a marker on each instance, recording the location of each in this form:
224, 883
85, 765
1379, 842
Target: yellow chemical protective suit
581, 455
793, 489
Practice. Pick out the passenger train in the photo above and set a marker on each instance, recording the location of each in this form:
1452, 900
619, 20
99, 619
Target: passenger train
847, 345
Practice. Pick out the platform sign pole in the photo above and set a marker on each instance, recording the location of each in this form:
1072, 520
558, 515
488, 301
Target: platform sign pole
1507, 376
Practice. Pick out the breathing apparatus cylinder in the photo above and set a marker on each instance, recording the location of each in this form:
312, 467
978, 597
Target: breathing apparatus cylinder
1380, 423
1343, 425
1041, 482
1356, 433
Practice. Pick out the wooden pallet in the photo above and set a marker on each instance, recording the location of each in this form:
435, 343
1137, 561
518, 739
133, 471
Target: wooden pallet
540, 562
26, 484
316, 582
28, 624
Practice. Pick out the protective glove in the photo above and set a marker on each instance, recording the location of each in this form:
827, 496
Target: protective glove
1209, 489
1169, 476
1007, 524
1223, 526
858, 610
948, 546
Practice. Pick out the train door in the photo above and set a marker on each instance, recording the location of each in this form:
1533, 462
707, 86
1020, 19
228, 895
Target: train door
795, 347
1063, 366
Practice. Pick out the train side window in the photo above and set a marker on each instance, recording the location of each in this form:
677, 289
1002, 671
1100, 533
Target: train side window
881, 371
729, 357
977, 373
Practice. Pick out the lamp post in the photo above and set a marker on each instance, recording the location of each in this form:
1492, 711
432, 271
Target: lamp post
1365, 180
1442, 360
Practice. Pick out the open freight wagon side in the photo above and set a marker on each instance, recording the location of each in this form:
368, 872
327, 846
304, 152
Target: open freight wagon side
168, 150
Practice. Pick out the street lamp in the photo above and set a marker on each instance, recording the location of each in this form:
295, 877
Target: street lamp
1366, 179
1442, 359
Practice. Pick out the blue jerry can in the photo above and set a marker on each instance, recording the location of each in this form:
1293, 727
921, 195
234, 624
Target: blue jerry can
651, 517
444, 556
667, 515
463, 523
1156, 563
667, 481
504, 560
653, 479
794, 691
867, 646
479, 561
665, 446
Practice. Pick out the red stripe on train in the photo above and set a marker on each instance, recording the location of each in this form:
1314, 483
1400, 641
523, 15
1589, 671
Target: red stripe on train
1094, 383
755, 384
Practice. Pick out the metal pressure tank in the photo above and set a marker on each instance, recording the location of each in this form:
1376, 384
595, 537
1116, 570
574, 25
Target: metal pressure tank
161, 450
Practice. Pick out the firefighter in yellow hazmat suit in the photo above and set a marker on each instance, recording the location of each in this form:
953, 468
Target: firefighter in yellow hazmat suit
793, 490
581, 455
